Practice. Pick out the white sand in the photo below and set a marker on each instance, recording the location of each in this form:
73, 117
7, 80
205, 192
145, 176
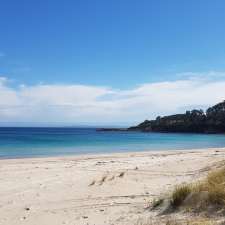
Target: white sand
52, 191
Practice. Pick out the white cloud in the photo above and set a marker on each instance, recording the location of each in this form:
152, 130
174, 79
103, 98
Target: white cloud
91, 104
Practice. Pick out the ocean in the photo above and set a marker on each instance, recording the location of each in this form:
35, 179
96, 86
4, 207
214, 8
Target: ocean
39, 142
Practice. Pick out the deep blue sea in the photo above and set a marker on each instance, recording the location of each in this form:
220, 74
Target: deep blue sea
36, 142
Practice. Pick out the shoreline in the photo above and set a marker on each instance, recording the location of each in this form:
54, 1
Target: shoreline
109, 154
101, 189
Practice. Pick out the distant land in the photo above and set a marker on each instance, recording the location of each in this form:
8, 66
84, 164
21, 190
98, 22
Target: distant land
194, 121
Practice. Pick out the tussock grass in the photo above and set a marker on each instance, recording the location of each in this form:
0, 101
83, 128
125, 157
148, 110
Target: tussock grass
210, 192
180, 194
214, 185
206, 196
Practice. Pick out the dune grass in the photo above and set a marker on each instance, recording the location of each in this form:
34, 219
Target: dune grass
208, 193
180, 194
213, 188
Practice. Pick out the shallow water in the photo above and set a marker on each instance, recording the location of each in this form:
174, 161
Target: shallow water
36, 142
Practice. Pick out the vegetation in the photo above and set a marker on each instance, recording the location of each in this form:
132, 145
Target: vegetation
179, 195
209, 193
213, 121
214, 185
206, 197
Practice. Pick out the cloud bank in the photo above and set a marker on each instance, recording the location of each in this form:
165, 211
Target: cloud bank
101, 105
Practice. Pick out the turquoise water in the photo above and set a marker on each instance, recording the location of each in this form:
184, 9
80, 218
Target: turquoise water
36, 142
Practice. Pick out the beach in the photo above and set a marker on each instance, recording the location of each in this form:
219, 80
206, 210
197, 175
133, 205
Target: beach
96, 189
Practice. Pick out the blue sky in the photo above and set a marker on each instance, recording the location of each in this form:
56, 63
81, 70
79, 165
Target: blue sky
119, 45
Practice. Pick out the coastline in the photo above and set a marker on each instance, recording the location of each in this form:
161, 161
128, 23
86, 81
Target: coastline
89, 155
112, 188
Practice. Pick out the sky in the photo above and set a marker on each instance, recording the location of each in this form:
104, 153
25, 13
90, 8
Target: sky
105, 62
